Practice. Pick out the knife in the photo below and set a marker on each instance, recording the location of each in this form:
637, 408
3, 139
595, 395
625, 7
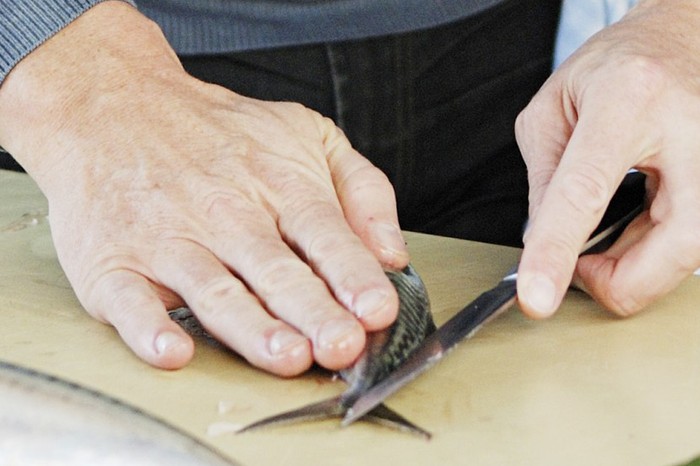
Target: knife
627, 203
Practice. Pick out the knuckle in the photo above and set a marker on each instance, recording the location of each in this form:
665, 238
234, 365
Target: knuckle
329, 246
559, 253
523, 121
279, 276
308, 218
529, 117
585, 190
522, 130
215, 297
291, 115
330, 133
108, 273
301, 191
304, 194
539, 177
623, 303
289, 290
366, 182
647, 76
222, 204
294, 107
374, 176
120, 298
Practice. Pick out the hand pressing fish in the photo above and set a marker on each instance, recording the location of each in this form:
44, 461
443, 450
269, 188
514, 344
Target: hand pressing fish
384, 352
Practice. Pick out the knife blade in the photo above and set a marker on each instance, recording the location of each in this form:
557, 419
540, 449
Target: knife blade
491, 304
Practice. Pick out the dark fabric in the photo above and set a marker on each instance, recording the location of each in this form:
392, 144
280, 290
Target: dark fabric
223, 26
433, 109
8, 163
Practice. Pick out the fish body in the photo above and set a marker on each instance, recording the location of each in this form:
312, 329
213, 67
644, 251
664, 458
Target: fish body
387, 349
384, 351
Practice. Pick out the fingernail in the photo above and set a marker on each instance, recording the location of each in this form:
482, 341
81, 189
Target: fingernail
284, 341
541, 295
336, 333
166, 341
390, 239
370, 302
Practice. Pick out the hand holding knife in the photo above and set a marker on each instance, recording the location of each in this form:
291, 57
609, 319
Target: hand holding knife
625, 206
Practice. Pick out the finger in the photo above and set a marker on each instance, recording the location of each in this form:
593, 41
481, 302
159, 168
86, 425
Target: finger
648, 261
228, 310
292, 292
573, 203
587, 264
368, 201
335, 253
127, 301
288, 287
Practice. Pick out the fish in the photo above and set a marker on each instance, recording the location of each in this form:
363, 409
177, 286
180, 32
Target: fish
384, 351
48, 420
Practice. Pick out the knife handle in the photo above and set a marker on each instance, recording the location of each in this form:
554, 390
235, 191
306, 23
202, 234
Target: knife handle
627, 202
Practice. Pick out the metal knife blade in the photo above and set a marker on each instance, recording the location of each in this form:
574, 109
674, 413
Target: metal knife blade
462, 326
468, 321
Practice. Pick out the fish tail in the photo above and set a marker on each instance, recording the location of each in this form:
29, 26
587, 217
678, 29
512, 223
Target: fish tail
326, 409
387, 417
336, 407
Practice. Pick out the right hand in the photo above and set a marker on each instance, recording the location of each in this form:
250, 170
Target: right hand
627, 98
164, 191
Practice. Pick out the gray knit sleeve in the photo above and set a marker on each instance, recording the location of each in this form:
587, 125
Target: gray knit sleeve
26, 24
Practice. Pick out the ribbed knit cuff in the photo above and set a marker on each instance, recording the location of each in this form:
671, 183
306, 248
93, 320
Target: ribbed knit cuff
26, 24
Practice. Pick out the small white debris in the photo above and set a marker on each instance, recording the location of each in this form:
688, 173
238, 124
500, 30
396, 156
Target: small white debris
226, 406
216, 429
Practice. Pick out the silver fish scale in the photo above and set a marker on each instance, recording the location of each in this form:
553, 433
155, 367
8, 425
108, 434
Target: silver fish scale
387, 349
413, 323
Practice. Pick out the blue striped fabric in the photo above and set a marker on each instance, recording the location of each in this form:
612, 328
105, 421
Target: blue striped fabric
580, 19
24, 25
210, 26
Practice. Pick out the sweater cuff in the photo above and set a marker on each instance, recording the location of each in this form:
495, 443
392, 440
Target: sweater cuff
26, 24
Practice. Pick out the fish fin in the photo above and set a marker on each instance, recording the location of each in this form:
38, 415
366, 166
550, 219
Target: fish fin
326, 409
387, 417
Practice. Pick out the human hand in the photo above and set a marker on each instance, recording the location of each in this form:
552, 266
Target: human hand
164, 190
628, 98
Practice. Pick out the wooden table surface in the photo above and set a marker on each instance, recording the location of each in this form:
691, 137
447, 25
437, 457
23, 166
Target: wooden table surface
582, 388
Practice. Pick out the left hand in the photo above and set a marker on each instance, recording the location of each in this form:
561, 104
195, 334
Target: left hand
630, 97
165, 190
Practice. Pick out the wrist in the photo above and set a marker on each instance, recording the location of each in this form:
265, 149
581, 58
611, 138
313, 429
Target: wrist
66, 82
25, 25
